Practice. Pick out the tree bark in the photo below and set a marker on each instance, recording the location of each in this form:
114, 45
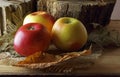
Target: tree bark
14, 11
88, 11
1, 21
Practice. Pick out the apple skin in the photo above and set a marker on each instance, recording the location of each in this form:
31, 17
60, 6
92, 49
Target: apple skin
41, 17
31, 38
69, 34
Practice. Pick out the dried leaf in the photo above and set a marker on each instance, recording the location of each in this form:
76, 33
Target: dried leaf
6, 41
65, 62
38, 57
104, 37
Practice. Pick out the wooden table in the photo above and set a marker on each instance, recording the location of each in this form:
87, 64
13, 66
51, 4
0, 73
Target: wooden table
107, 64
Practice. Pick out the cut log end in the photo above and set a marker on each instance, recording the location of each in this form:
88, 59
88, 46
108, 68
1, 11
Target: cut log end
88, 11
14, 11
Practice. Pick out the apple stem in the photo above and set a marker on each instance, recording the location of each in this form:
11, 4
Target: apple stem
31, 28
67, 21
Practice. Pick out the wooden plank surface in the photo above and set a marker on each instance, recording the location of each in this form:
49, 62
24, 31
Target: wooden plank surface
107, 64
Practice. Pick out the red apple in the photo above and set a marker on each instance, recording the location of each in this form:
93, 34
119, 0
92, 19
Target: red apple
31, 38
69, 34
41, 17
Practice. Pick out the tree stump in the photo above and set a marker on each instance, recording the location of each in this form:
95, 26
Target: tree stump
13, 12
1, 17
88, 11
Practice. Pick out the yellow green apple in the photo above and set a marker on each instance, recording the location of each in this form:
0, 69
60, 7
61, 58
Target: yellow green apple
41, 17
69, 34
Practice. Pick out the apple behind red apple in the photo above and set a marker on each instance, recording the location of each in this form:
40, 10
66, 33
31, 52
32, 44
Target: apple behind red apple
41, 17
31, 38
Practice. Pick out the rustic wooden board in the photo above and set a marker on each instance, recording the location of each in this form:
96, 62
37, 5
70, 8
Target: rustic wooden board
107, 64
